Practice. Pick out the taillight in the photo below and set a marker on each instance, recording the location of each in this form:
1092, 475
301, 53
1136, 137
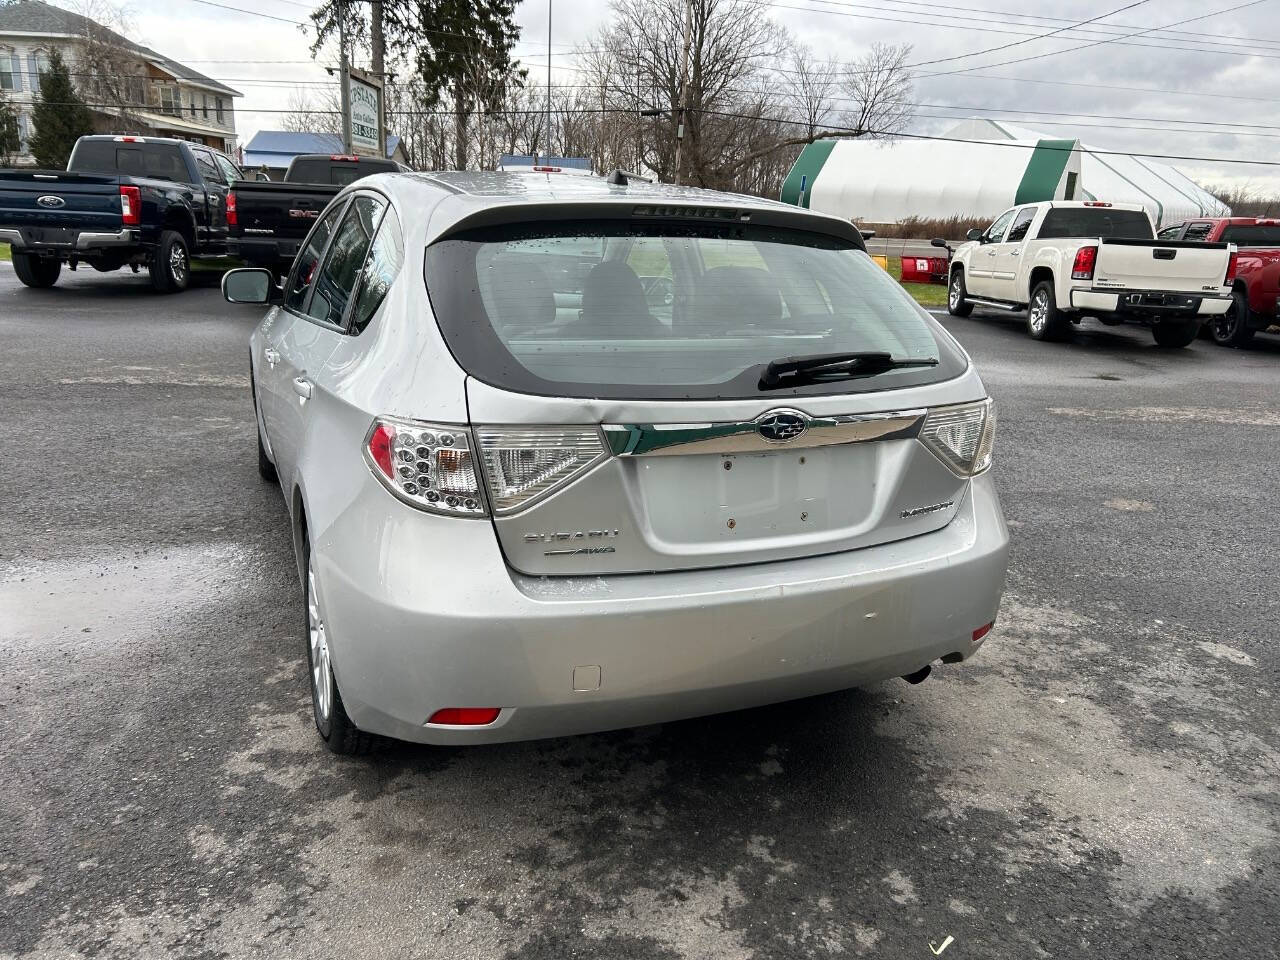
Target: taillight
962, 436
131, 206
1086, 259
427, 465
524, 464
1231, 271
435, 467
233, 219
465, 716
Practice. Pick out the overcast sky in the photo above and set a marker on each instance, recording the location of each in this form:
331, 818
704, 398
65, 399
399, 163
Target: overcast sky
1220, 70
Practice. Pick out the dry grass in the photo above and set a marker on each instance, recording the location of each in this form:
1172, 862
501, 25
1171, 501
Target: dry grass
4, 251
926, 228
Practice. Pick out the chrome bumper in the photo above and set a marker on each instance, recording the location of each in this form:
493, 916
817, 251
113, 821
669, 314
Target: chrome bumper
84, 241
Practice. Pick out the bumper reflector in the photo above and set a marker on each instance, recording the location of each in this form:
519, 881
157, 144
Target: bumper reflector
982, 631
466, 716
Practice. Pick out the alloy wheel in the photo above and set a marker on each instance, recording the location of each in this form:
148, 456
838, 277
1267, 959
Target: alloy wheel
1039, 313
178, 263
321, 674
955, 292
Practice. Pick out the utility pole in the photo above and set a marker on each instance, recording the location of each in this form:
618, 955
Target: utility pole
378, 43
684, 87
548, 140
344, 75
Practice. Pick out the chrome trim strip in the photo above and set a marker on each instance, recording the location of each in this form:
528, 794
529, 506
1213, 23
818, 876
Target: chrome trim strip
670, 439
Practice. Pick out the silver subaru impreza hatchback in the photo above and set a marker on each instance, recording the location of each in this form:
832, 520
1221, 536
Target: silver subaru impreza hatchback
565, 455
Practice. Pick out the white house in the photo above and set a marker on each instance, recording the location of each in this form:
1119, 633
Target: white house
167, 98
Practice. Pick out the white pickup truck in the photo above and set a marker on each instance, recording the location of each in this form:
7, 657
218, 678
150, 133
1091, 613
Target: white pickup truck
1063, 261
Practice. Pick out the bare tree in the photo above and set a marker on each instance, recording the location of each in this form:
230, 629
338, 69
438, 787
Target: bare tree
879, 90
811, 88
311, 113
109, 69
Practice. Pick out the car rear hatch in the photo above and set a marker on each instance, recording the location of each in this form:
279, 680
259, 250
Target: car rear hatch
53, 207
1152, 265
621, 412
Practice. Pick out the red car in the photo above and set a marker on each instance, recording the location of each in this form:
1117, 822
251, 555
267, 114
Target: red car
1256, 293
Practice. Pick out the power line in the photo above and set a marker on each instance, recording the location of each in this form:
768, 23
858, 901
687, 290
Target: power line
1043, 36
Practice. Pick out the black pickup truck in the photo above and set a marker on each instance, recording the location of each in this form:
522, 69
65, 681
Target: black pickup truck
270, 219
122, 201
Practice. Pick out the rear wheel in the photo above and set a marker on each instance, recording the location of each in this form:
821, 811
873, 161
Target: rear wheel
170, 266
1232, 329
1044, 320
334, 726
957, 302
1175, 333
36, 271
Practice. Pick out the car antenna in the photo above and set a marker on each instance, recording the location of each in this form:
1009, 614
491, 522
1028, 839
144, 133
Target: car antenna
621, 178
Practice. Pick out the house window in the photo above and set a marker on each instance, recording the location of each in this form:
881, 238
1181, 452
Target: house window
170, 101
206, 106
218, 104
7, 63
24, 132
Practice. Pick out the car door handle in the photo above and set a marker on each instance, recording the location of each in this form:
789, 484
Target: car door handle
271, 356
302, 387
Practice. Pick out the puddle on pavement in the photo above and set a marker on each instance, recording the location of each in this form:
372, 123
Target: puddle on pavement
109, 598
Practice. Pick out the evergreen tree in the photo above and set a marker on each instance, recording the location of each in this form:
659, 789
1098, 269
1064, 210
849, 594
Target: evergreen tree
10, 141
59, 115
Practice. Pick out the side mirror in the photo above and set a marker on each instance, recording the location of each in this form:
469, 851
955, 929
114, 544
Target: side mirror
248, 285
974, 234
939, 242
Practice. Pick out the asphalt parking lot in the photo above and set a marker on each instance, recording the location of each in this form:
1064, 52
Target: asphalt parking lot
1100, 781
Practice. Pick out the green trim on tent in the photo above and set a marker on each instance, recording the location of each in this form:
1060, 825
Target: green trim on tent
1044, 171
807, 167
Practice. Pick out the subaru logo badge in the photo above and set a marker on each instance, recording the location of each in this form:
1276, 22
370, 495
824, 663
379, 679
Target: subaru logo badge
781, 426
51, 201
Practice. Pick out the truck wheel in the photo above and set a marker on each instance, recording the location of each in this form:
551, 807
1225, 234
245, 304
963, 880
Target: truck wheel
1175, 333
35, 271
170, 266
1232, 329
957, 302
1044, 320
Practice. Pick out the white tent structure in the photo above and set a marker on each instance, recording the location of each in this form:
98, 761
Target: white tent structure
1168, 194
980, 169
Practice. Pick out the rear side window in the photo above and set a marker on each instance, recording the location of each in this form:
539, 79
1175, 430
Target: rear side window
304, 268
162, 161
1245, 235
656, 310
1088, 222
337, 278
1199, 232
386, 256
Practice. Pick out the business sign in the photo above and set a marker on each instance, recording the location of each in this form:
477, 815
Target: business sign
363, 103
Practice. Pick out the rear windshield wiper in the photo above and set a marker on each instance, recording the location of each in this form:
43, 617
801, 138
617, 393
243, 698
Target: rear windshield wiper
789, 371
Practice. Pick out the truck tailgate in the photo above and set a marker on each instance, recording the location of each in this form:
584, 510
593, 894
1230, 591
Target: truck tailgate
49, 203
1152, 265
282, 211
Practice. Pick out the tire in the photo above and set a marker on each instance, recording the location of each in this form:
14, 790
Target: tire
170, 265
1175, 333
1044, 320
36, 272
1232, 329
266, 469
340, 735
957, 302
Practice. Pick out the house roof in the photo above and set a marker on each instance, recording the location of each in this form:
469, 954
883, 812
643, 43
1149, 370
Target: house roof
283, 145
36, 17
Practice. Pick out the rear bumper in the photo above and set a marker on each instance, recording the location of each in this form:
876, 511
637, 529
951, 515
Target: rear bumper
1150, 303
264, 250
419, 622
82, 241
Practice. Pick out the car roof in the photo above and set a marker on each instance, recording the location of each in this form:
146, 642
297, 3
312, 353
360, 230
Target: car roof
457, 199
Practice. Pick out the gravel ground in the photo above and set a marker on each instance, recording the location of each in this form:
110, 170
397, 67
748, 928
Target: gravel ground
1100, 781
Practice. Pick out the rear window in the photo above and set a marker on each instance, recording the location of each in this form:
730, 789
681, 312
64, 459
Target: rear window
324, 170
1261, 235
617, 309
162, 161
1089, 222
